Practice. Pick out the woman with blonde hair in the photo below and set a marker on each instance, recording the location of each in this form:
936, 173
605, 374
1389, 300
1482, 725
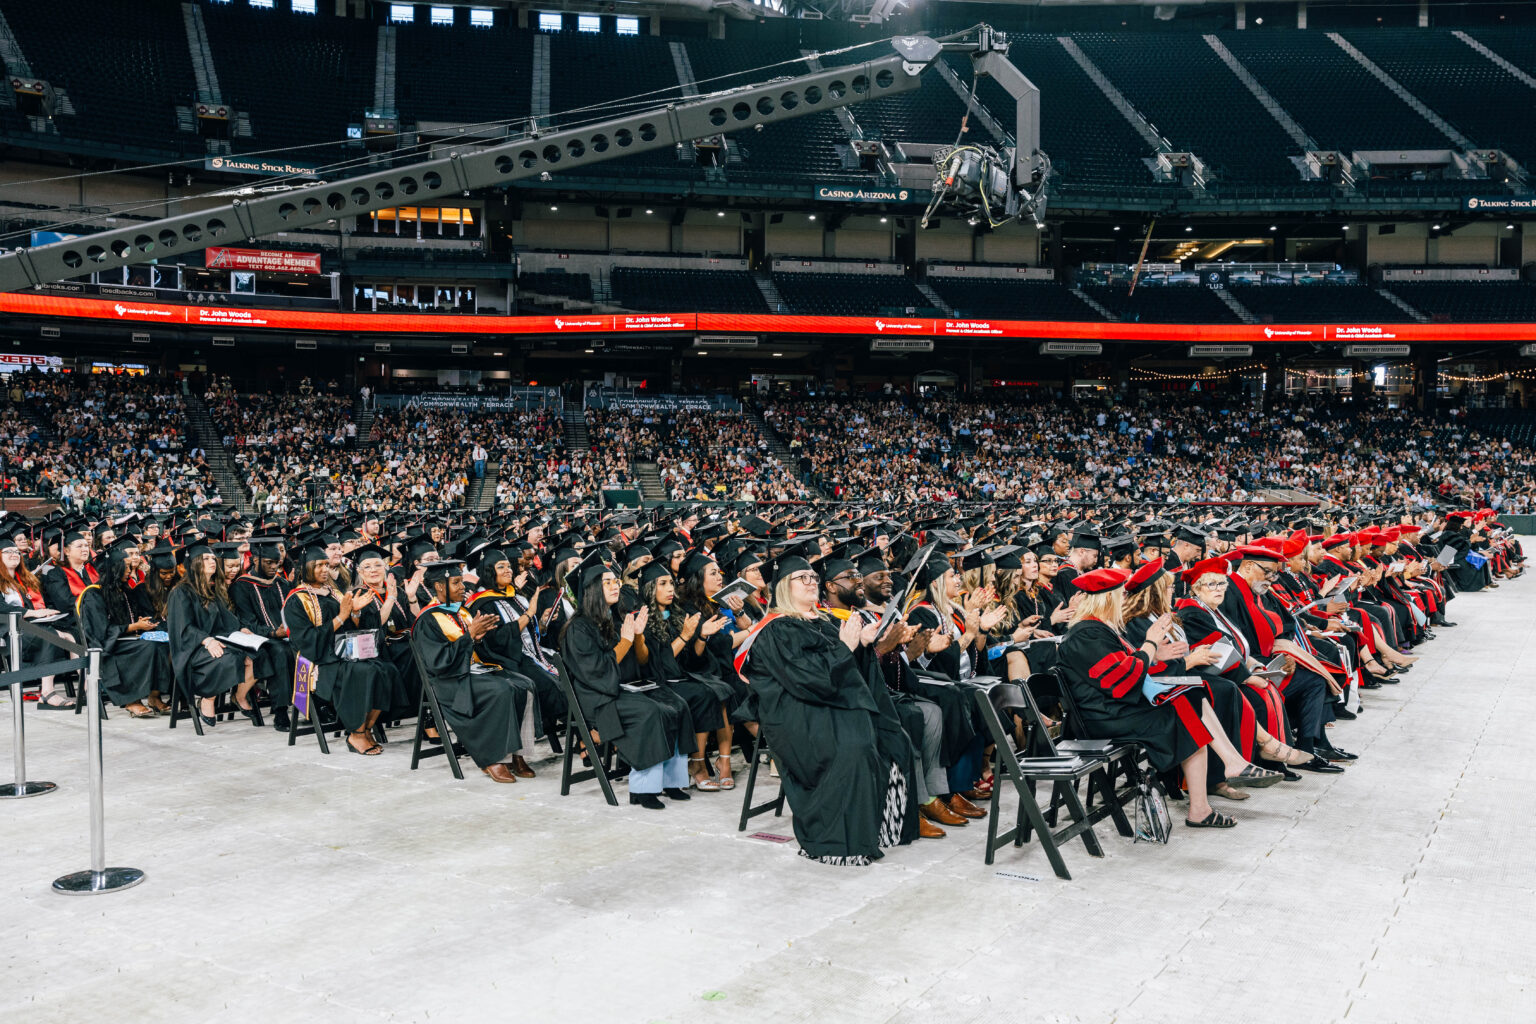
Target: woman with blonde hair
1106, 676
1148, 597
817, 712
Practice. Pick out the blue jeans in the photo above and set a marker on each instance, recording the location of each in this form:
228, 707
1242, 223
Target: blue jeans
479, 469
669, 774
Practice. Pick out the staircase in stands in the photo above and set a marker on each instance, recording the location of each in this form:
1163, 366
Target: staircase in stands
232, 488
576, 437
362, 415
648, 479
482, 492
777, 447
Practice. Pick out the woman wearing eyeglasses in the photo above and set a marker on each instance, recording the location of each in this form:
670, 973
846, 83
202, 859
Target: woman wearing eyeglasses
817, 713
1107, 676
1207, 625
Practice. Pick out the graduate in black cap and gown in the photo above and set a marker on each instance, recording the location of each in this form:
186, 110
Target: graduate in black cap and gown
197, 617
379, 604
357, 680
517, 644
605, 653
816, 710
131, 667
257, 597
481, 703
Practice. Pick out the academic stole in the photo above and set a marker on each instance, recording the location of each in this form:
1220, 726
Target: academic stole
306, 674
453, 627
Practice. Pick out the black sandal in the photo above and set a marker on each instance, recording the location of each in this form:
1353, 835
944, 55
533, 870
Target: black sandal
1253, 777
65, 702
1212, 820
372, 751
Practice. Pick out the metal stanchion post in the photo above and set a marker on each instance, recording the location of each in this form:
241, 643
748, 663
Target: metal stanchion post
99, 878
21, 787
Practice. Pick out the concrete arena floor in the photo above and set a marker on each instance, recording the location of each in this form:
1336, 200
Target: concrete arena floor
283, 886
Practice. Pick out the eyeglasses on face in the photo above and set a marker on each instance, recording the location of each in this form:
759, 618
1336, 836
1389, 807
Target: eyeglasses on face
805, 577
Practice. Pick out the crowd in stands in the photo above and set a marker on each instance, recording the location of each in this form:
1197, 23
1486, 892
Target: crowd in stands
1174, 448
117, 442
713, 455
102, 442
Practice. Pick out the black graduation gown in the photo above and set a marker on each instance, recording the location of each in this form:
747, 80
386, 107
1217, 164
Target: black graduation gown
353, 688
130, 667
258, 603
189, 622
716, 665
482, 708
706, 698
894, 728
61, 588
819, 717
1225, 693
1104, 675
397, 648
962, 723
646, 727
506, 645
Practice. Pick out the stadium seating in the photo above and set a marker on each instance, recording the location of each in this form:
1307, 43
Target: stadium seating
589, 74
705, 291
125, 67
1090, 143
303, 85
557, 282
1195, 100
786, 152
1181, 303
1512, 302
931, 113
478, 76
1482, 100
1309, 75
849, 294
1013, 300
1317, 303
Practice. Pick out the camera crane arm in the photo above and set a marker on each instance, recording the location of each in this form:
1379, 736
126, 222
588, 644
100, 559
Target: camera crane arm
537, 155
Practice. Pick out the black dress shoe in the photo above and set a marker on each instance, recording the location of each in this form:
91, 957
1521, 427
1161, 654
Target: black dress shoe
1319, 766
653, 801
1444, 624
1343, 713
280, 719
1370, 684
253, 713
1333, 753
1286, 775
673, 793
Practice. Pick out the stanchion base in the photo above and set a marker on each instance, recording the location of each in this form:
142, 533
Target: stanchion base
17, 790
109, 880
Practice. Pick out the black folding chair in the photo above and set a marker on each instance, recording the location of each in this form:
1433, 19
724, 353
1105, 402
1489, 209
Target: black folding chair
579, 733
1025, 772
1123, 758
776, 805
184, 705
430, 712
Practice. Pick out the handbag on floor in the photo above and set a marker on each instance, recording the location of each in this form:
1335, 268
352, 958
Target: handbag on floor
1153, 822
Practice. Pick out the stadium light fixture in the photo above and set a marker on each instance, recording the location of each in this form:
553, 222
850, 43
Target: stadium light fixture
1187, 230
883, 220
552, 209
1271, 227
720, 213
813, 216
1117, 227
650, 211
